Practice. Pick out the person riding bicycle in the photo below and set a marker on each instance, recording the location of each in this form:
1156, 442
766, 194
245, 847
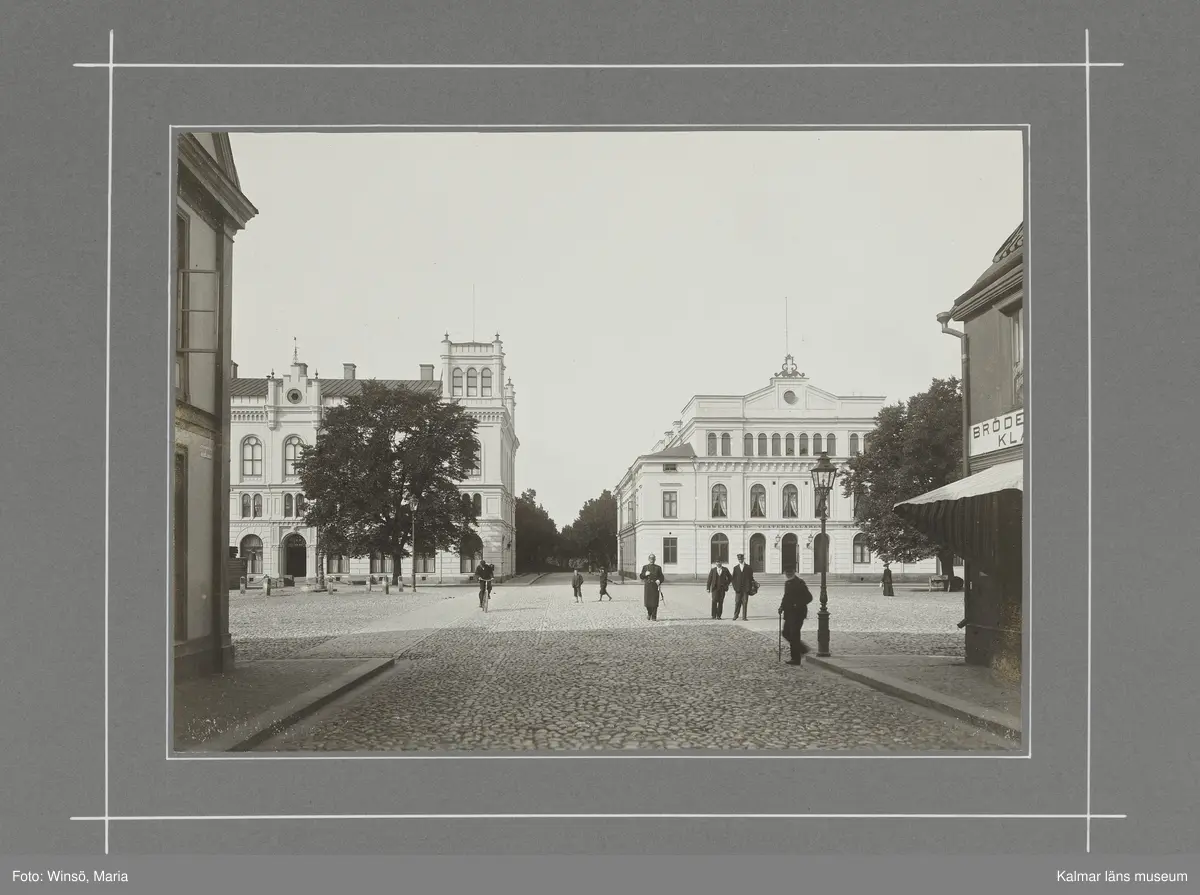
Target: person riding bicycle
485, 571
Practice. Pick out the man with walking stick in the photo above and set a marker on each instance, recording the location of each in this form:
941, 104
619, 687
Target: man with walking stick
792, 612
652, 575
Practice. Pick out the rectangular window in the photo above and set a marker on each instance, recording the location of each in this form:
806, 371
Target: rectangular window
1017, 348
670, 467
467, 563
335, 565
670, 551
181, 306
381, 565
426, 565
670, 504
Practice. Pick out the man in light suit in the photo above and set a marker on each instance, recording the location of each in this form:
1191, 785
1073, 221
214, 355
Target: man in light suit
718, 584
743, 586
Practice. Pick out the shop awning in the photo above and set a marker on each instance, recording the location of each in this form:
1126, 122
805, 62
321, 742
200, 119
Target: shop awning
978, 517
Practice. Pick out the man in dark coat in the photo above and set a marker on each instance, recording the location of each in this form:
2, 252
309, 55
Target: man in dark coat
794, 609
652, 575
577, 585
718, 584
484, 572
604, 586
744, 586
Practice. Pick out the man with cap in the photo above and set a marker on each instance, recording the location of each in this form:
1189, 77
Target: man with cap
744, 586
718, 584
652, 575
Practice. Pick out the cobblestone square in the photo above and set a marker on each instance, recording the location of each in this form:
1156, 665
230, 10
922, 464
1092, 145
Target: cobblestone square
541, 671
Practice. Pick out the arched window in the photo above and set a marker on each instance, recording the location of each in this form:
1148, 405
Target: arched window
862, 556
300, 505
291, 453
762, 445
831, 444
789, 445
252, 451
775, 445
485, 383
458, 383
245, 506
791, 502
853, 445
726, 445
802, 447
817, 444
865, 438
257, 506
748, 445
251, 550
758, 502
712, 444
287, 506
477, 504
720, 502
719, 549
472, 383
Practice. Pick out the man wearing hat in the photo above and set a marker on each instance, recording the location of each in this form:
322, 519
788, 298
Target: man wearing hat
718, 584
744, 586
652, 575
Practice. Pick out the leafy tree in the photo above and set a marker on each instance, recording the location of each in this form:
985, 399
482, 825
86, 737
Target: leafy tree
915, 447
537, 535
372, 456
593, 534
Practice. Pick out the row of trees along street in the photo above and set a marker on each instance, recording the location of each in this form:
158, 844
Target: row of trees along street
388, 446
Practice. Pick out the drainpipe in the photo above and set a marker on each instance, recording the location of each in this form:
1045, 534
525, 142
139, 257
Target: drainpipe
944, 319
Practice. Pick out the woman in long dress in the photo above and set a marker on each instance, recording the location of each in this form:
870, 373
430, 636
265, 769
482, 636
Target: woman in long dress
887, 582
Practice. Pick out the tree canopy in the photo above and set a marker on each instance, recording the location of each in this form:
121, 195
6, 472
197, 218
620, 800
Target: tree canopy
916, 446
373, 455
537, 535
592, 537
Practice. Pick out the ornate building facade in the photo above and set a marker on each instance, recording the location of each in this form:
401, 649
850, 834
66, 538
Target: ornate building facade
733, 475
276, 417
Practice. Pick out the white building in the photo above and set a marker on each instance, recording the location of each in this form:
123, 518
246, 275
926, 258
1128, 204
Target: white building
275, 417
734, 475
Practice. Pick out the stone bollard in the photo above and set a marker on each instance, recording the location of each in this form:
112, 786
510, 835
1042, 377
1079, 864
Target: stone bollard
267, 585
387, 585
370, 584
243, 586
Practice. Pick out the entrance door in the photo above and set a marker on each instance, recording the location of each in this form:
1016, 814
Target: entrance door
758, 554
180, 526
295, 557
820, 553
790, 551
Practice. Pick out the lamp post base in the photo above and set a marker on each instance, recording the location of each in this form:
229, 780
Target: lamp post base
823, 633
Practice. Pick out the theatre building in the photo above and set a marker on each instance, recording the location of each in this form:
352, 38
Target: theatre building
734, 475
276, 417
980, 516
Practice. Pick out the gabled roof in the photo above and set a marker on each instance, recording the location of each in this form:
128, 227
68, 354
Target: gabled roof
331, 388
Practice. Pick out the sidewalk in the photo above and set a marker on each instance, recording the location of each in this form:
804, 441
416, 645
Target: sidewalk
235, 711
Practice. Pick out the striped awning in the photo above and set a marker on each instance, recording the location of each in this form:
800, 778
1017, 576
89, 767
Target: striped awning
978, 517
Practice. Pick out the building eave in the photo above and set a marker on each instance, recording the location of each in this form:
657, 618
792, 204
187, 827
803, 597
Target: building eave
220, 185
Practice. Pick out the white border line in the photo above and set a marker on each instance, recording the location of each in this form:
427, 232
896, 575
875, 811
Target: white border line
161, 817
1087, 75
1027, 303
108, 427
570, 128
598, 66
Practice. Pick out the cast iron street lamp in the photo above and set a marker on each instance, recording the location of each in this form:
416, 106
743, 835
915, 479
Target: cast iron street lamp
823, 475
412, 504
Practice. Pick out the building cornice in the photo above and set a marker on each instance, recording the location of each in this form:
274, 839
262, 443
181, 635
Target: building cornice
1004, 278
213, 178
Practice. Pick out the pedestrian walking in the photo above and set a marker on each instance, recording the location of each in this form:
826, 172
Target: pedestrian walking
484, 573
886, 583
652, 575
793, 610
577, 584
744, 587
604, 586
718, 584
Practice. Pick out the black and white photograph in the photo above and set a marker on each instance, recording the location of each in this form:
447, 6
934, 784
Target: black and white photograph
598, 440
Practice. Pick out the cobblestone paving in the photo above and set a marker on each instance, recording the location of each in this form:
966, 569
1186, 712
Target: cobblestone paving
543, 672
284, 625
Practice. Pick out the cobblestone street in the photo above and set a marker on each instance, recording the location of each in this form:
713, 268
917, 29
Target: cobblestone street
540, 671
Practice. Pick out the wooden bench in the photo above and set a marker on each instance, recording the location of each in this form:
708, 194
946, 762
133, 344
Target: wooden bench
938, 581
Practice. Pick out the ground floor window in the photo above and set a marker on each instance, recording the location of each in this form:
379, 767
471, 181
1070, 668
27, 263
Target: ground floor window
467, 563
426, 564
381, 565
335, 565
862, 555
670, 551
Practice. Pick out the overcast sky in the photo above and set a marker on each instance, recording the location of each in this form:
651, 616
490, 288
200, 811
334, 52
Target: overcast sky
625, 272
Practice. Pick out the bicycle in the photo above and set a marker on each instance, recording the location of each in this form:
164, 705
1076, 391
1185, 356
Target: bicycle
485, 594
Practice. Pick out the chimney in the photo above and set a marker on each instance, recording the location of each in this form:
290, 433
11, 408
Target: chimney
348, 371
233, 369
427, 372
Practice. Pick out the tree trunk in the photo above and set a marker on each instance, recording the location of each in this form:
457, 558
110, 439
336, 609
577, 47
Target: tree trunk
946, 562
396, 569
